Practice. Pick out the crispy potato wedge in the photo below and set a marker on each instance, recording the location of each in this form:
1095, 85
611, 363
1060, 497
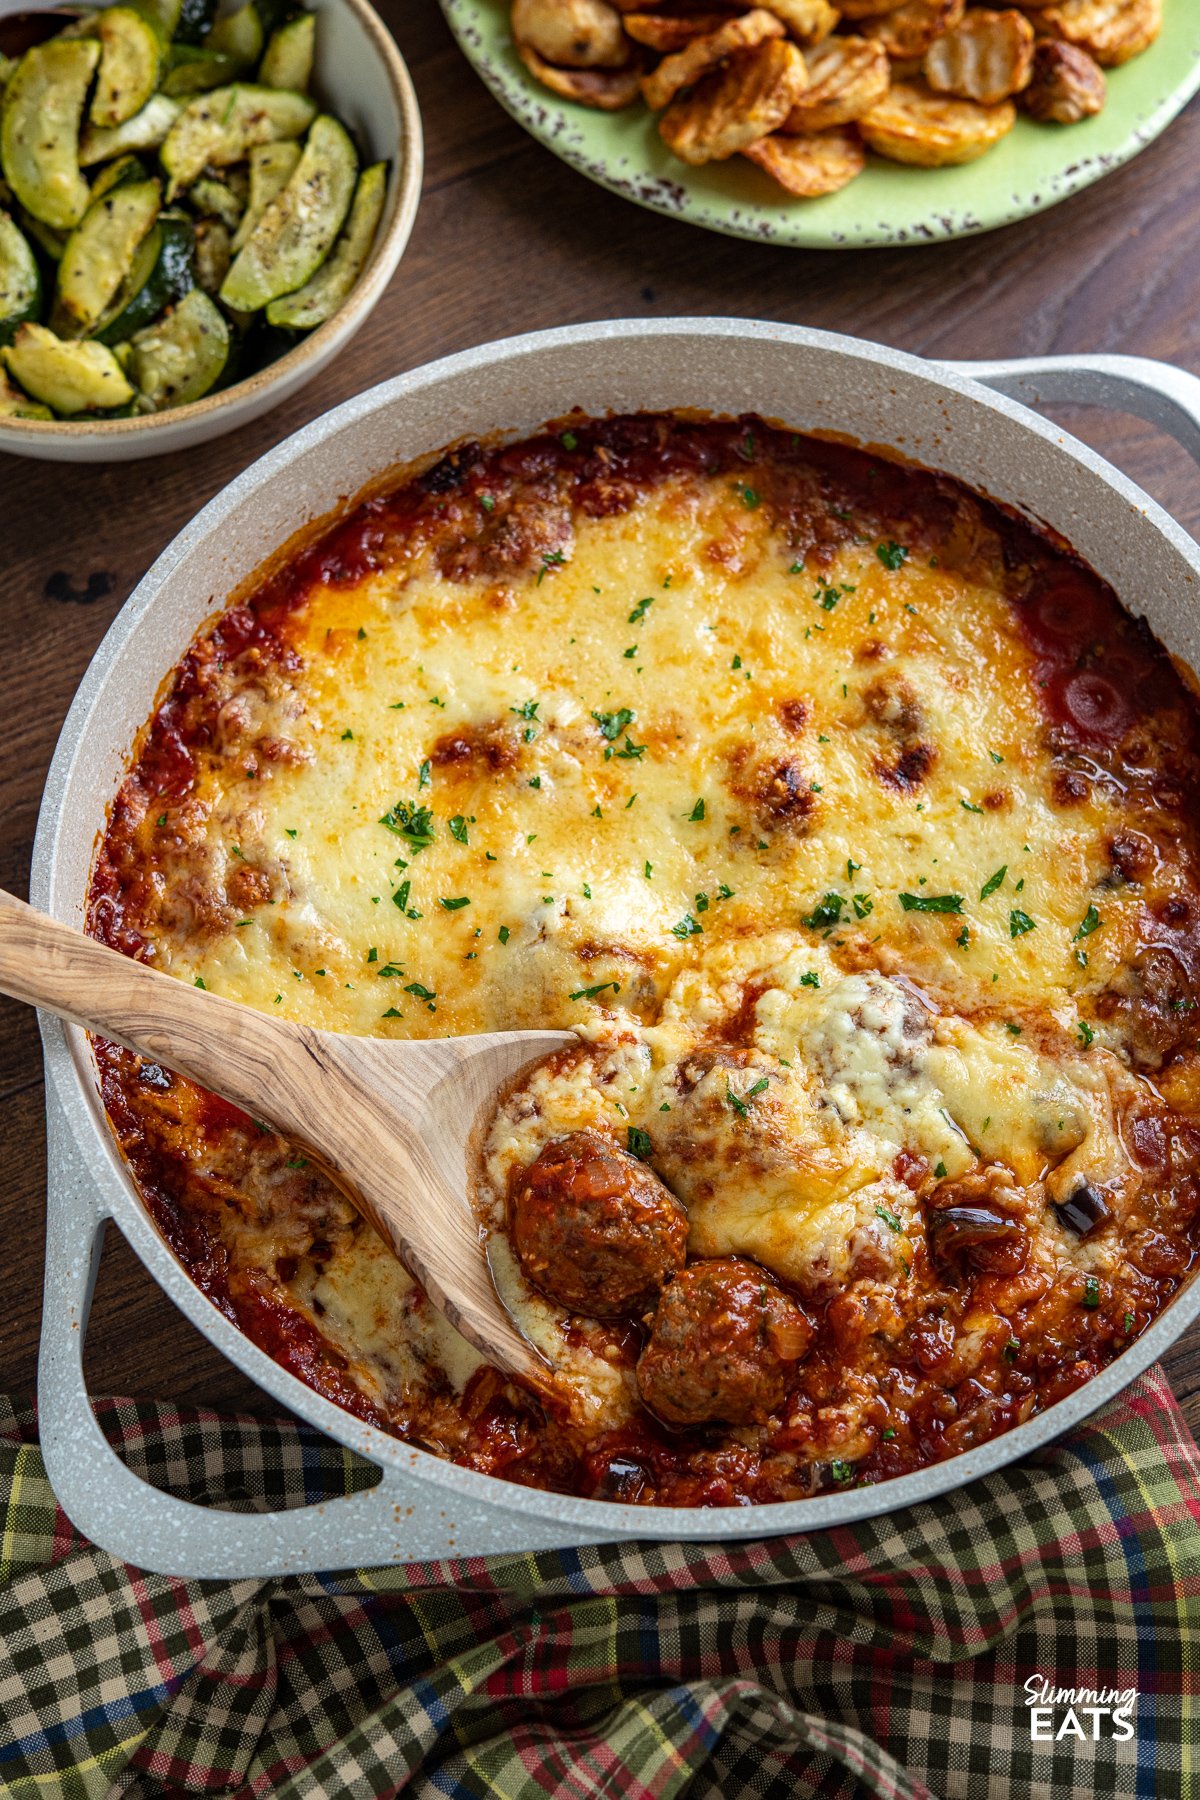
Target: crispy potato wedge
915, 125
573, 34
1066, 84
608, 90
913, 27
807, 167
1111, 31
987, 56
685, 68
737, 105
666, 32
810, 21
847, 76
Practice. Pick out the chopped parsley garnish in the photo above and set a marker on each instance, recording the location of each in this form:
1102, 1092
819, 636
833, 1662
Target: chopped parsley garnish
612, 724
993, 882
863, 904
648, 870
828, 593
199, 982
457, 827
697, 813
641, 609
1091, 1292
842, 1471
630, 753
527, 710
1086, 1035
423, 775
1020, 922
504, 934
740, 1103
1011, 1027
419, 992
589, 993
411, 822
487, 502
1127, 1321
970, 806
688, 926
1012, 1350
890, 1219
569, 441
701, 902
347, 734
162, 818
825, 914
1090, 922
551, 559
638, 1143
391, 1013
750, 496
964, 937
810, 978
932, 903
457, 904
891, 555
940, 1170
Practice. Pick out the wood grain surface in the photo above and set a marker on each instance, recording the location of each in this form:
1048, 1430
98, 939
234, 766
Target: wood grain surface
508, 239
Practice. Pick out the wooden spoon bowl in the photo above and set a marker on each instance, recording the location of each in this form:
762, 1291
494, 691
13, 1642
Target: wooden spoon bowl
391, 1121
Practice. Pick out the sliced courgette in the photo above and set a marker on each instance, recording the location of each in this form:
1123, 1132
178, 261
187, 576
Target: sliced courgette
222, 127
70, 377
297, 231
216, 200
17, 405
213, 254
131, 57
165, 14
39, 136
50, 242
239, 35
288, 59
8, 68
271, 168
162, 273
179, 357
100, 252
195, 21
20, 280
116, 174
145, 131
320, 298
195, 69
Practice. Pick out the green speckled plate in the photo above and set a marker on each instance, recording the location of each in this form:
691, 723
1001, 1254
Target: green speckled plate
1036, 166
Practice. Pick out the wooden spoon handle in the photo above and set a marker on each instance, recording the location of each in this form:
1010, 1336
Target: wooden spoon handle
230, 1049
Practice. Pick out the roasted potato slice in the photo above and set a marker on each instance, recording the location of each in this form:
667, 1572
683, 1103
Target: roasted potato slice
666, 32
608, 90
746, 100
913, 27
1112, 31
811, 21
987, 56
573, 34
915, 125
847, 76
1066, 85
808, 167
684, 69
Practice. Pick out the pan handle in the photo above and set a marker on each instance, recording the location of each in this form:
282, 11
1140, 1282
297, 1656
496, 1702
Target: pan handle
1155, 391
403, 1519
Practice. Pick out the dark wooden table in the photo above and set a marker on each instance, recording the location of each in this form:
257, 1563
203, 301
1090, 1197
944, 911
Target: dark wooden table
508, 239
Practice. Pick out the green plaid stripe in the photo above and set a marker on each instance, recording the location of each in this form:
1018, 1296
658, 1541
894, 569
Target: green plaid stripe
888, 1658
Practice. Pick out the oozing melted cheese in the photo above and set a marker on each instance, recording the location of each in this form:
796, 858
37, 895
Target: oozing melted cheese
674, 744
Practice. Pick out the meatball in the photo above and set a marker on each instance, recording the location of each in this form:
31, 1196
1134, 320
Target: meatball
723, 1344
594, 1228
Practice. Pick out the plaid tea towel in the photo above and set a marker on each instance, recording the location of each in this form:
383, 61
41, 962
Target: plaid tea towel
921, 1654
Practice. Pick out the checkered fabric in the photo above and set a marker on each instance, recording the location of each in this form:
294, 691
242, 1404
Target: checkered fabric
888, 1658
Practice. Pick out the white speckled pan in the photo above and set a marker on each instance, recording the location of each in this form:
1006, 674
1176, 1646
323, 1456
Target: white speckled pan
425, 1508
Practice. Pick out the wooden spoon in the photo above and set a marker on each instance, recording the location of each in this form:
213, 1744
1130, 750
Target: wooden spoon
389, 1120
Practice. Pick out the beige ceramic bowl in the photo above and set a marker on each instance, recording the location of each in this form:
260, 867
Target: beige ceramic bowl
360, 75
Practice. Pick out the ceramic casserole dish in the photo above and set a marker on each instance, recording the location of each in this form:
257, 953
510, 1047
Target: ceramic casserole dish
974, 424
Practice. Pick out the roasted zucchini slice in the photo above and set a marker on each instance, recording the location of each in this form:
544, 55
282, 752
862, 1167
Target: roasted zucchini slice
116, 174
213, 254
20, 280
216, 199
297, 231
320, 298
131, 56
239, 35
17, 405
288, 59
70, 377
100, 252
162, 273
182, 355
271, 168
39, 136
145, 131
222, 127
195, 69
